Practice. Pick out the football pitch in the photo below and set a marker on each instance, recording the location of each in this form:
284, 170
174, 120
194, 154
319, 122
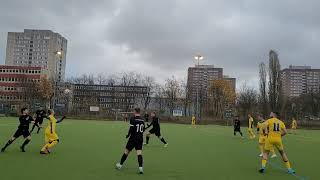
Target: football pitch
89, 150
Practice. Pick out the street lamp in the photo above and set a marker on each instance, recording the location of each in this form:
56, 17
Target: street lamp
198, 57
59, 55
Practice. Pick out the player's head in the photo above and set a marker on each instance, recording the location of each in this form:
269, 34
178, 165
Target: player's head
153, 114
249, 115
237, 117
51, 112
24, 110
137, 111
274, 114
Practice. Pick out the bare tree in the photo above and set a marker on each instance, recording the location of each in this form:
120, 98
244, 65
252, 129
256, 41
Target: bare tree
126, 80
172, 92
247, 100
263, 97
185, 97
275, 89
148, 82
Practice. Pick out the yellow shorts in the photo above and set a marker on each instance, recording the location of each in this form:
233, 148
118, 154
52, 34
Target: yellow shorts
49, 137
193, 122
262, 139
273, 141
294, 127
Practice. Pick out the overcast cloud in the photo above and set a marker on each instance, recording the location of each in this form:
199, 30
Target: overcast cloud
160, 38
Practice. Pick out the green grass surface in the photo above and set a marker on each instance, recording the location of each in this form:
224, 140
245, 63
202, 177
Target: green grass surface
89, 150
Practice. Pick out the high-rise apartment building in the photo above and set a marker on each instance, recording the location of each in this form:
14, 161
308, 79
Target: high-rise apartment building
298, 80
38, 48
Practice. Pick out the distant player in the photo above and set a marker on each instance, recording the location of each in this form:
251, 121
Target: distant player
155, 129
263, 137
237, 126
40, 115
275, 129
135, 136
294, 126
23, 130
193, 121
146, 116
250, 127
51, 137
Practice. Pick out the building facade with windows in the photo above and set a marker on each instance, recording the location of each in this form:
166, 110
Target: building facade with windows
38, 48
299, 80
15, 82
107, 98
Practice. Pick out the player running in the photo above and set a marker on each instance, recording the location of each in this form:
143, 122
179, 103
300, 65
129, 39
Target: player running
237, 126
23, 130
193, 121
274, 129
294, 126
263, 137
40, 115
155, 129
51, 137
135, 136
250, 127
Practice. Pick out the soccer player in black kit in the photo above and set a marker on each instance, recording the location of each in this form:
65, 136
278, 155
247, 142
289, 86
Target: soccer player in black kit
155, 129
237, 127
23, 130
135, 136
40, 115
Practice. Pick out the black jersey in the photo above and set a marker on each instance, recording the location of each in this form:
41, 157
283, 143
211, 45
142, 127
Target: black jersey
137, 127
155, 123
40, 115
237, 123
25, 120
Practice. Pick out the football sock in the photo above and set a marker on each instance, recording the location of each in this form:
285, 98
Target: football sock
147, 139
53, 143
123, 158
38, 130
25, 143
263, 163
288, 165
140, 160
272, 151
8, 143
162, 140
32, 128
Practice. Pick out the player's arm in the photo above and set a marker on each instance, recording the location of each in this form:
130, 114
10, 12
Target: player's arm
131, 129
283, 129
61, 119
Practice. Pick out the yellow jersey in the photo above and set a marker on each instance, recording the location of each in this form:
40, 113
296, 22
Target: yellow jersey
51, 124
260, 128
274, 127
294, 123
251, 123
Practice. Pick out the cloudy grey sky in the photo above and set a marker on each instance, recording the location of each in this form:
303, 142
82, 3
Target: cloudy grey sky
160, 38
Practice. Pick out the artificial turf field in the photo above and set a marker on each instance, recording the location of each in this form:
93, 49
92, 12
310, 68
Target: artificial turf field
89, 150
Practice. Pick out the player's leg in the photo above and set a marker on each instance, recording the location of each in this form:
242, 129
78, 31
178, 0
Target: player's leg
128, 149
273, 152
284, 156
140, 160
234, 132
148, 137
39, 127
10, 141
27, 137
16, 135
34, 125
266, 150
261, 147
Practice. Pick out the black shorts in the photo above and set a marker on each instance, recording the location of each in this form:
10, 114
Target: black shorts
155, 131
132, 143
39, 121
236, 129
21, 132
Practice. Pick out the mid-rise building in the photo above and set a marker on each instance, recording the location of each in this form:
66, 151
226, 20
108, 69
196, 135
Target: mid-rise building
38, 48
298, 80
107, 98
16, 83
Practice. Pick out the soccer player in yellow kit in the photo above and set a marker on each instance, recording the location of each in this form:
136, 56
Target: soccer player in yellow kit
250, 127
193, 121
294, 126
274, 129
263, 137
51, 137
